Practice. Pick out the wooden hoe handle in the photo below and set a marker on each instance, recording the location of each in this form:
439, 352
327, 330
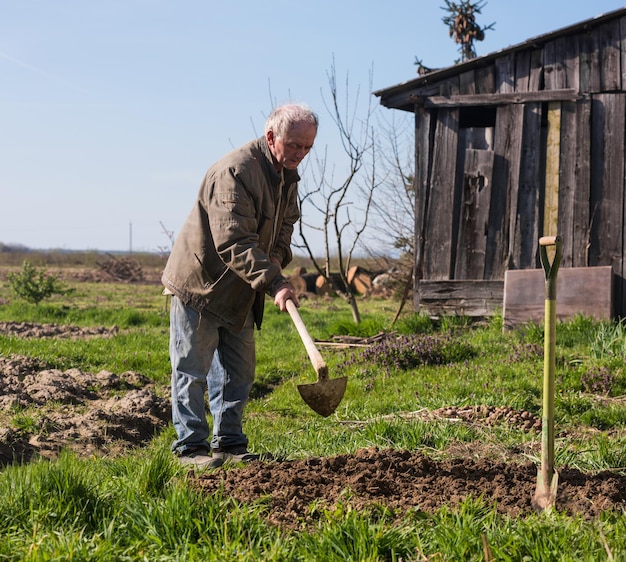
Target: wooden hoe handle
314, 355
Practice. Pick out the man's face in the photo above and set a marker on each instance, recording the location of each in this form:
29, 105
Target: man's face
289, 151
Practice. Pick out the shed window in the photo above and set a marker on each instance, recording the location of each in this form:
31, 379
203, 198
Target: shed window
480, 116
476, 127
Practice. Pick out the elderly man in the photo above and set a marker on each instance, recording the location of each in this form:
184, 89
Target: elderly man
228, 256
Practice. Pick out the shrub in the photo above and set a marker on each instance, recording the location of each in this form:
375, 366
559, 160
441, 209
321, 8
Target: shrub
410, 351
598, 380
35, 285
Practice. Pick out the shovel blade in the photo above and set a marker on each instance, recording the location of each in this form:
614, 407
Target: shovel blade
323, 396
545, 493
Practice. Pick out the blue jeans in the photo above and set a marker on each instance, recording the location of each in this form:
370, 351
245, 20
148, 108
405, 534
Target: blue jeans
205, 354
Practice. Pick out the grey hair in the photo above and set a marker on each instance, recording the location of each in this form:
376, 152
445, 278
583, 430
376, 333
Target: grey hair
284, 117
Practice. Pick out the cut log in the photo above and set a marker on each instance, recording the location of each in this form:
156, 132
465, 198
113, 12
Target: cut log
352, 273
361, 283
299, 284
323, 287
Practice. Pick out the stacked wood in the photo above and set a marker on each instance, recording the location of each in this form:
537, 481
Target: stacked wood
121, 269
304, 283
299, 284
360, 281
323, 287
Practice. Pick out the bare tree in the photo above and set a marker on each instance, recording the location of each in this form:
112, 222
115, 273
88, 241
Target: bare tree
344, 205
393, 206
164, 250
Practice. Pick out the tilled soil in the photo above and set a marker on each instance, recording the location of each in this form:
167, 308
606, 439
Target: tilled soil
46, 410
34, 330
405, 480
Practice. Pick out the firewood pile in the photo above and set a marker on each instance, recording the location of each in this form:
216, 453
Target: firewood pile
360, 281
121, 269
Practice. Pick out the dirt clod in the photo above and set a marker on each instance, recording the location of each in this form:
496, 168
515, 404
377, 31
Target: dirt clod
47, 410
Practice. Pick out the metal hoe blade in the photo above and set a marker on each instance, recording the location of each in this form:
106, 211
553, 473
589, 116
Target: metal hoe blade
326, 394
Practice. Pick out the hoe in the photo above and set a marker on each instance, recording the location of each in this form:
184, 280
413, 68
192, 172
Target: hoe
322, 396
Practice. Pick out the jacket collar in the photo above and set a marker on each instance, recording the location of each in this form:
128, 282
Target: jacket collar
290, 176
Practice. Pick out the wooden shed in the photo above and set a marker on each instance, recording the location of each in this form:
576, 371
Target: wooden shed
514, 145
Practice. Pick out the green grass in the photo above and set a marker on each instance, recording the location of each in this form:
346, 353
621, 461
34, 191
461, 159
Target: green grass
141, 506
143, 509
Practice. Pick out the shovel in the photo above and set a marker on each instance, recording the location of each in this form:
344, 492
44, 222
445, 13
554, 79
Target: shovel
547, 478
322, 396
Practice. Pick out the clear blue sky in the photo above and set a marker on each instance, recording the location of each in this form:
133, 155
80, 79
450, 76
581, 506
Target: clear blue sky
111, 111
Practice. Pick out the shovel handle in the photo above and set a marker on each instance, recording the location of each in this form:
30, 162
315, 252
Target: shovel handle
314, 355
548, 240
550, 269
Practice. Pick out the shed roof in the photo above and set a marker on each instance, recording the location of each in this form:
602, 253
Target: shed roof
393, 96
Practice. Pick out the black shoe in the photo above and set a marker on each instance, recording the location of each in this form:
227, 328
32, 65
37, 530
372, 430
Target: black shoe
235, 455
198, 458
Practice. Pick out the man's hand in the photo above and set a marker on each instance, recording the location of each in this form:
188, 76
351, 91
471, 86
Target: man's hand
285, 293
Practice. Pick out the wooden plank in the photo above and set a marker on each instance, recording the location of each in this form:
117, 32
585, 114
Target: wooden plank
610, 56
485, 80
507, 146
571, 61
622, 33
598, 126
529, 70
573, 218
449, 87
553, 152
438, 232
582, 194
439, 225
536, 71
468, 298
478, 177
514, 157
458, 162
526, 223
561, 63
567, 181
467, 83
522, 71
505, 73
589, 62
579, 290
553, 70
422, 182
500, 98
607, 179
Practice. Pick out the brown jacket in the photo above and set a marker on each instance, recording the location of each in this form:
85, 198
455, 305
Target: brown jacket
220, 263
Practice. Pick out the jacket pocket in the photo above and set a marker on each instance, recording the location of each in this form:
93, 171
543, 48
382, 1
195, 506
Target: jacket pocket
229, 298
217, 280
